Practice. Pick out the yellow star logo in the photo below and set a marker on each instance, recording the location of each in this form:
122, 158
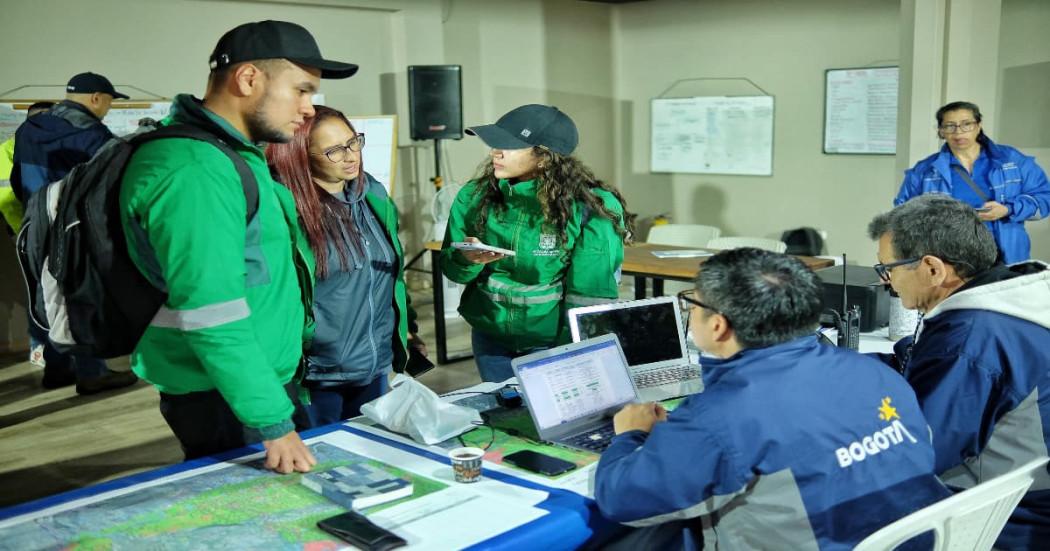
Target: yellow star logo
886, 411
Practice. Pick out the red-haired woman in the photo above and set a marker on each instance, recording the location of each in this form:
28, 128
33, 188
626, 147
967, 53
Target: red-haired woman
360, 302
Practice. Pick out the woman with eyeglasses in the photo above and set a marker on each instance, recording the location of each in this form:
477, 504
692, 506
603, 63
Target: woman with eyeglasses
360, 303
1005, 186
565, 227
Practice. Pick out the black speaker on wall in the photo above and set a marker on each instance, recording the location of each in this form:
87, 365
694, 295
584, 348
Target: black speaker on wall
435, 103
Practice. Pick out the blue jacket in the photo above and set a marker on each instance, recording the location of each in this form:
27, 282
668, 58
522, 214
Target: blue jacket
357, 310
793, 446
980, 370
1016, 180
49, 145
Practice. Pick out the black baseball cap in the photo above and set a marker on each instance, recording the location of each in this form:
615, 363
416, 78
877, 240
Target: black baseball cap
275, 40
528, 126
89, 83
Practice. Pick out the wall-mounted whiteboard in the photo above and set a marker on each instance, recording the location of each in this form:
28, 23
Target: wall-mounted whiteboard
122, 119
860, 110
713, 135
379, 157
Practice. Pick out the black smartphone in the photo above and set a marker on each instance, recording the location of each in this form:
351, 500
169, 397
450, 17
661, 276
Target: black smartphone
355, 528
418, 364
539, 463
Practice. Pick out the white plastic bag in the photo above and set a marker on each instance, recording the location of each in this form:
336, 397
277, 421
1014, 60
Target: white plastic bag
413, 409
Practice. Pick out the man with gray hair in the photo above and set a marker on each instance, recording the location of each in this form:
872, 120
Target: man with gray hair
791, 445
979, 359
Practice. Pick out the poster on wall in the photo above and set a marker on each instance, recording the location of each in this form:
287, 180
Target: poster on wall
379, 155
860, 110
713, 135
122, 119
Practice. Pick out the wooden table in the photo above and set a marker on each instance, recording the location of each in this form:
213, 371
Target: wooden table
638, 261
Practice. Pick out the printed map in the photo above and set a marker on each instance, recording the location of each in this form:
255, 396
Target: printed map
242, 506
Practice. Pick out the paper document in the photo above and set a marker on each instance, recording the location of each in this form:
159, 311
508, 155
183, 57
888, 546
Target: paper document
682, 253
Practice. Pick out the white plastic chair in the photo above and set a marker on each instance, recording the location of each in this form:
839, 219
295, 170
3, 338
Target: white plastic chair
756, 242
683, 235
968, 520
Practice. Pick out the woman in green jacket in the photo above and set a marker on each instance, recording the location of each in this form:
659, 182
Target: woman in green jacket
566, 228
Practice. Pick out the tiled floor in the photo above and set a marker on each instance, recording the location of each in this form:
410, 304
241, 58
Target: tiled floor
52, 441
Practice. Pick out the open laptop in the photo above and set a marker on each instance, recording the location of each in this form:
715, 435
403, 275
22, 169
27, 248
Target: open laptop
650, 332
572, 391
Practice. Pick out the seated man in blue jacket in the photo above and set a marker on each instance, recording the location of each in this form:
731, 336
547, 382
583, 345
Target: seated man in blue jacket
792, 444
47, 147
980, 360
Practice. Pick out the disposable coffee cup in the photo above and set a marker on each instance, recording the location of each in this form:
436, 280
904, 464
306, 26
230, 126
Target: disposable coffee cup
902, 320
466, 463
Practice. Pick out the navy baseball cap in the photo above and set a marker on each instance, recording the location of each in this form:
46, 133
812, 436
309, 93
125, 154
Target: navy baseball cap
529, 126
275, 40
89, 83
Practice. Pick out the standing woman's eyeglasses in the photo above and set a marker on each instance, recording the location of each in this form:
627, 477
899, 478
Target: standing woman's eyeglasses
339, 153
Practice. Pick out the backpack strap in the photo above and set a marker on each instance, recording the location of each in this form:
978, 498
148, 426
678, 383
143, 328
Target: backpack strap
248, 181
966, 177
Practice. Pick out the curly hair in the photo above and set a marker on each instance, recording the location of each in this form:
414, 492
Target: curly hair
562, 180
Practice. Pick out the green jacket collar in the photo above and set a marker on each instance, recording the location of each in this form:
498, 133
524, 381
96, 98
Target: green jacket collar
520, 189
190, 110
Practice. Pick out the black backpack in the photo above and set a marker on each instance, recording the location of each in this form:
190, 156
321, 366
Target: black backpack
83, 287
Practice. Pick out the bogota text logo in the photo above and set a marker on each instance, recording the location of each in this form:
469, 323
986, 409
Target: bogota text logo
879, 441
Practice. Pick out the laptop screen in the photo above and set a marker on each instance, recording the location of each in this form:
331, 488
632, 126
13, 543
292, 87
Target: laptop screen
577, 383
648, 333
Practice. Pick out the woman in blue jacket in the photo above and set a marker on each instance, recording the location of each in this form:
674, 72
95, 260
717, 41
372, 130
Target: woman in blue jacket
360, 302
1005, 186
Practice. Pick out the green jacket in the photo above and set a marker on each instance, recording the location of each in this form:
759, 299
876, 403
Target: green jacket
235, 316
386, 212
10, 207
521, 301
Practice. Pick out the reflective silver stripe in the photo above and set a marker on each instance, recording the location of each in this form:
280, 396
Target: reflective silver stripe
1037, 215
204, 317
774, 498
507, 299
1016, 439
500, 286
5, 183
581, 300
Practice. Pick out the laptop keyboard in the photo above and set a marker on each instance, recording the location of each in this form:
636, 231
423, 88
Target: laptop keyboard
596, 440
657, 377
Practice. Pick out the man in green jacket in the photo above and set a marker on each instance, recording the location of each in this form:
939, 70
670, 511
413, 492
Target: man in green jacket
224, 349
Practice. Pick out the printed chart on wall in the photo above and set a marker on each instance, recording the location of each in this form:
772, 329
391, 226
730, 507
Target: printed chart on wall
713, 135
860, 110
378, 156
122, 119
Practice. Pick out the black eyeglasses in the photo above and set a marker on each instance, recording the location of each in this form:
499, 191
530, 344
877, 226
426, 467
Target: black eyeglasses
686, 301
338, 154
953, 128
884, 269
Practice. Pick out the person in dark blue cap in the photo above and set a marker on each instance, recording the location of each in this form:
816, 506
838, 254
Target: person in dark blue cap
47, 147
566, 228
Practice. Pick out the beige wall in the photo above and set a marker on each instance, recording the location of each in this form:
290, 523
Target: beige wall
1023, 110
784, 47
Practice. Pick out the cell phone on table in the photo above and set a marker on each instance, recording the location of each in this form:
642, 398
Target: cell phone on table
539, 463
355, 528
471, 246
